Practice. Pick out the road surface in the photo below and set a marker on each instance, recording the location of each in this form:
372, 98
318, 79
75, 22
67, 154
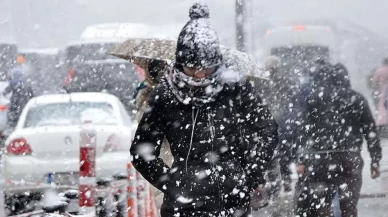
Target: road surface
374, 207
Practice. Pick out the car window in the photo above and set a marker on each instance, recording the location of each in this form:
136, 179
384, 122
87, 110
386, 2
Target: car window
119, 79
86, 79
296, 59
85, 52
75, 113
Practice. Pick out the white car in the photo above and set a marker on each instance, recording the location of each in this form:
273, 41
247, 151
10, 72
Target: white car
45, 143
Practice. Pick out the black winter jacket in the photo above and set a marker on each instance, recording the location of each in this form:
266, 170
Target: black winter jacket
279, 95
214, 168
337, 120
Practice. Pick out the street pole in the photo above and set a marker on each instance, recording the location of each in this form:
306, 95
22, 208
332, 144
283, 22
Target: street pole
240, 23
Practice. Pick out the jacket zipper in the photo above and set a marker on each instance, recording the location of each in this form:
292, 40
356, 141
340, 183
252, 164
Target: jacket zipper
212, 136
194, 119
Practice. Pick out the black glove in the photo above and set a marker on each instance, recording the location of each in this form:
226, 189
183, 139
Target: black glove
375, 170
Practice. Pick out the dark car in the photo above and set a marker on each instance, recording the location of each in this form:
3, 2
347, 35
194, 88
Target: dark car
42, 68
299, 46
297, 60
117, 77
8, 56
78, 52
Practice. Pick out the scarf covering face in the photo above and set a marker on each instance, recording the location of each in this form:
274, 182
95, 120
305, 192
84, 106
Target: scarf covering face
195, 91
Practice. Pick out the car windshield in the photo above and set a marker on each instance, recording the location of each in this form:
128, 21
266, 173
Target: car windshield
119, 79
75, 113
297, 58
300, 53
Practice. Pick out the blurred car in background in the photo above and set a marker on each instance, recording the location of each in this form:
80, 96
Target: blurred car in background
86, 67
96, 39
299, 46
118, 31
81, 51
8, 56
117, 77
58, 118
8, 60
42, 72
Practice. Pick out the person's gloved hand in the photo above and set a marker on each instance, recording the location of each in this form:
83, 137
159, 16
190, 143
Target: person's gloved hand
259, 197
375, 170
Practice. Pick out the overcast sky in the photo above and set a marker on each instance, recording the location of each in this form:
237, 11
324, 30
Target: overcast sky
53, 23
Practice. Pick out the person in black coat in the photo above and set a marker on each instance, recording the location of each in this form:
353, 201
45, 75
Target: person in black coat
336, 122
220, 134
279, 96
21, 93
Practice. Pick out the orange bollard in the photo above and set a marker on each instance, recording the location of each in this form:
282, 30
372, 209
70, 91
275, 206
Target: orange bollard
87, 169
132, 191
152, 204
147, 199
141, 195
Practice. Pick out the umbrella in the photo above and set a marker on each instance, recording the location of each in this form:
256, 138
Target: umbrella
243, 62
139, 50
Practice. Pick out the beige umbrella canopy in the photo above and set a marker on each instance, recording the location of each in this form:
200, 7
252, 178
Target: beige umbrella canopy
139, 50
243, 62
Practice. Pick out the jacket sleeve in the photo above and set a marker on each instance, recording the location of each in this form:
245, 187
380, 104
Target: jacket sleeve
146, 146
31, 93
259, 135
7, 90
369, 130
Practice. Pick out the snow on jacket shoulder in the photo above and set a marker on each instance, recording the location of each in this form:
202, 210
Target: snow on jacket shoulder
214, 167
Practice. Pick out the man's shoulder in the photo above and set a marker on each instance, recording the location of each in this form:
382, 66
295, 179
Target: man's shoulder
241, 87
358, 97
243, 83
